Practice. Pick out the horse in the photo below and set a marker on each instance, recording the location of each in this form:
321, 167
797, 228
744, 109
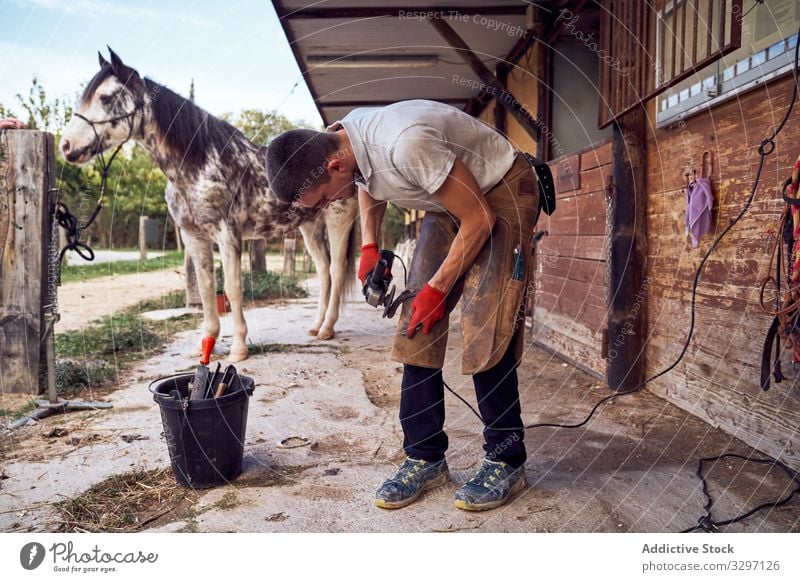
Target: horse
217, 189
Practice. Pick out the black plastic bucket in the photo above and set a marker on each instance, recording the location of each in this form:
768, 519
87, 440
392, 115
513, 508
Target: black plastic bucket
205, 438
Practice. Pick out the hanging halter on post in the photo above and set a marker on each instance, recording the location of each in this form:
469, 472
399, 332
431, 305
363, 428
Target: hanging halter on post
69, 221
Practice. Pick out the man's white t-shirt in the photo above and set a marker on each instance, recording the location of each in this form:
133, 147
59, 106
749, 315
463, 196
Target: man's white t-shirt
406, 150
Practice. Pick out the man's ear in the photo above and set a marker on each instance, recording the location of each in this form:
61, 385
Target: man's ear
335, 165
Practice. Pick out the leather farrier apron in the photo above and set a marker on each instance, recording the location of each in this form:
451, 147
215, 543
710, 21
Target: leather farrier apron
492, 290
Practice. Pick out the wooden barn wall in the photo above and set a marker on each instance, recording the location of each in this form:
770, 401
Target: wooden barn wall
570, 311
718, 379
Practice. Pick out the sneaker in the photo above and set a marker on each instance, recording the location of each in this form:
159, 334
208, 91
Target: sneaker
413, 478
493, 485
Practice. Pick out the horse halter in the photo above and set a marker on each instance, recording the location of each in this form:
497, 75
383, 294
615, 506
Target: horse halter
69, 221
129, 117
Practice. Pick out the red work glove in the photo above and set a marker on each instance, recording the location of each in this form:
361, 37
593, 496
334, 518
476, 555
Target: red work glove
370, 255
426, 309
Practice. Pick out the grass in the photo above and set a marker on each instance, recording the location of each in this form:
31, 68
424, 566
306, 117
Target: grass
94, 356
11, 413
86, 271
171, 300
279, 348
268, 285
265, 285
127, 502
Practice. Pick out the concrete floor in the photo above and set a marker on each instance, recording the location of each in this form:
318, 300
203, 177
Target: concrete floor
630, 469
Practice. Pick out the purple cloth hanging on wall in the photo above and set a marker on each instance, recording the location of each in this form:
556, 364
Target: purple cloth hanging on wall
699, 202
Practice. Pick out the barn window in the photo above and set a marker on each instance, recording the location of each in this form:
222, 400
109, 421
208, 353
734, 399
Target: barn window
653, 47
769, 37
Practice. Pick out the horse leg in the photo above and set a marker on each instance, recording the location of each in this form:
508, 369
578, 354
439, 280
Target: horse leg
202, 254
339, 222
314, 237
231, 251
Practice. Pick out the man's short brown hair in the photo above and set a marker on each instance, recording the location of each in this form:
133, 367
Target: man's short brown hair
296, 161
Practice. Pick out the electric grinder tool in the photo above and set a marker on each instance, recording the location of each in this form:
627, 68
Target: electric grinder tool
378, 289
376, 286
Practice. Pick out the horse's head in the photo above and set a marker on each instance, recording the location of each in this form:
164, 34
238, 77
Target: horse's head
109, 112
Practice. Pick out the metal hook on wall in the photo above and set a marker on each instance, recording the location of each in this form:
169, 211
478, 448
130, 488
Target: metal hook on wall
706, 155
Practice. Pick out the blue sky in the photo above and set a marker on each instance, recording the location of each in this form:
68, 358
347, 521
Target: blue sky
235, 51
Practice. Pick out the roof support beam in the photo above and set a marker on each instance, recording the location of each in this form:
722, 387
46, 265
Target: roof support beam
548, 29
475, 105
401, 11
504, 97
501, 72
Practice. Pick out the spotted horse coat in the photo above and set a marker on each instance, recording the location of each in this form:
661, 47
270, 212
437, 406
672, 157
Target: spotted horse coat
217, 191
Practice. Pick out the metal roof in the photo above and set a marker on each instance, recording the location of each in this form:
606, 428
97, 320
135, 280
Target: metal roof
356, 53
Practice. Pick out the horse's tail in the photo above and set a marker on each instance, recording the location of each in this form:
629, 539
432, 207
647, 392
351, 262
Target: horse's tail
350, 260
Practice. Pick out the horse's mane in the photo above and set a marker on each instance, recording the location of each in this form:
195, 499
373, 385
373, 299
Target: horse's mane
188, 130
97, 80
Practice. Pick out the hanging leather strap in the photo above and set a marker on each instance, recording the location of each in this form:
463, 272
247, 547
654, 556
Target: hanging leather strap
771, 339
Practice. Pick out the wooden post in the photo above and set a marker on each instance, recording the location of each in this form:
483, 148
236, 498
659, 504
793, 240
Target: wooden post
258, 255
142, 238
289, 247
627, 256
545, 103
28, 271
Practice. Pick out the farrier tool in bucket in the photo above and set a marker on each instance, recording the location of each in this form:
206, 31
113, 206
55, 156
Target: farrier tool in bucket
205, 438
200, 383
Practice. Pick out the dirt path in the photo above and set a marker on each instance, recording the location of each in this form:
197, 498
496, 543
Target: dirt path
81, 302
630, 469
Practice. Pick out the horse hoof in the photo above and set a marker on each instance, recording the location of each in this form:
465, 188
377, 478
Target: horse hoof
313, 331
326, 334
237, 357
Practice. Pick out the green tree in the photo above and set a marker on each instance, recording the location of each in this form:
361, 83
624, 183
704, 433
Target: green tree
43, 113
135, 188
261, 126
4, 112
393, 227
